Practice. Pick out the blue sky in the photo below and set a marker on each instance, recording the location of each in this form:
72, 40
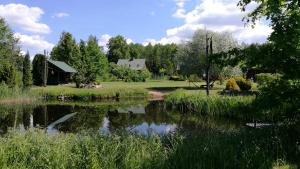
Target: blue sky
38, 23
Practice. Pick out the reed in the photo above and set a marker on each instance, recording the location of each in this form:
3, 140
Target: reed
216, 105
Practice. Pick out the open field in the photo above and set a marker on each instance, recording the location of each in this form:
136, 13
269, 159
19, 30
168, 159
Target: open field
120, 89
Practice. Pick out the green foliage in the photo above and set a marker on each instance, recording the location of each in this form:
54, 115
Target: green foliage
66, 50
161, 57
96, 60
118, 49
244, 85
279, 97
36, 149
191, 55
232, 85
265, 78
194, 78
176, 78
8, 74
38, 69
70, 92
9, 48
27, 77
230, 106
284, 19
129, 75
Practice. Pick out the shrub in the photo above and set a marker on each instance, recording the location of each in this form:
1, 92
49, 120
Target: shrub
194, 78
232, 85
129, 75
264, 78
244, 84
176, 78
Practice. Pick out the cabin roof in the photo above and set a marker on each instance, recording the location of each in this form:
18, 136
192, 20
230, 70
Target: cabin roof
63, 66
136, 64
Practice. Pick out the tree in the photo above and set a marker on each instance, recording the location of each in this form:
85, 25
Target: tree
192, 55
284, 16
11, 61
27, 77
118, 49
96, 60
66, 50
281, 95
39, 70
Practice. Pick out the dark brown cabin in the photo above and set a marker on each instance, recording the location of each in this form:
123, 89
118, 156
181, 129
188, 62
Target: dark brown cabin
59, 72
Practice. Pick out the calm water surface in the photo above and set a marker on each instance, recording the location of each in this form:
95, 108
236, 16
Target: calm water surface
140, 117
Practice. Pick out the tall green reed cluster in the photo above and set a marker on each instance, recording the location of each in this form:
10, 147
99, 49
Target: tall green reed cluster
230, 106
36, 149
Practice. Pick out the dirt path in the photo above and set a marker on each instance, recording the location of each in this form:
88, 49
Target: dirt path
156, 95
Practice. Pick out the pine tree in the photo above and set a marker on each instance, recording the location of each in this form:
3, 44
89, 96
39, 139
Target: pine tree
27, 77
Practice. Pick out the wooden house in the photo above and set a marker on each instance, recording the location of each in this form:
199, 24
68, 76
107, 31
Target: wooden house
59, 72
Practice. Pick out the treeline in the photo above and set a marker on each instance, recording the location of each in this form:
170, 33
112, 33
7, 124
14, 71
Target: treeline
15, 69
94, 65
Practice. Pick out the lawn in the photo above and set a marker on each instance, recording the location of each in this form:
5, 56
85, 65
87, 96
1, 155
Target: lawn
119, 89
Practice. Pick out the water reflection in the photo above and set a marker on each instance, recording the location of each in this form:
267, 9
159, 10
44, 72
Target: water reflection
138, 117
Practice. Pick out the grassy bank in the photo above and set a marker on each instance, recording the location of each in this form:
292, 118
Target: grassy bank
70, 92
108, 90
216, 105
244, 149
16, 95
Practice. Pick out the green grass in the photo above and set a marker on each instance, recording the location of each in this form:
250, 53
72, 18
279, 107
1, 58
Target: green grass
122, 89
215, 105
52, 92
16, 94
263, 148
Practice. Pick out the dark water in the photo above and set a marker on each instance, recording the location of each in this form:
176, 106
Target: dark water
140, 117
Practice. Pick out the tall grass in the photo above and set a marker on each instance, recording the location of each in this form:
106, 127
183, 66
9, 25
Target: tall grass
15, 93
216, 105
35, 149
206, 149
69, 92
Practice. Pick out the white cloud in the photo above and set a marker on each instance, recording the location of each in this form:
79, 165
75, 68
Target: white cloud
34, 44
215, 15
104, 39
60, 15
24, 17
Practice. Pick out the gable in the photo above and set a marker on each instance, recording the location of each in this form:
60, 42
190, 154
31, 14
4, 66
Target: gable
63, 66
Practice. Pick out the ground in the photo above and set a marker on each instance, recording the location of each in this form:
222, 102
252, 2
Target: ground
156, 89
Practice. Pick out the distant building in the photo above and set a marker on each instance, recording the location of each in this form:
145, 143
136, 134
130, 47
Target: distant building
135, 64
59, 72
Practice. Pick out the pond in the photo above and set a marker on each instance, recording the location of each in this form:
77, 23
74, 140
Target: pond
140, 117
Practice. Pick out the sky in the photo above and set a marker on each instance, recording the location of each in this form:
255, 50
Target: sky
39, 23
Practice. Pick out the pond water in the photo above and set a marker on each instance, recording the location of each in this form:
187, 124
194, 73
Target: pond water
140, 117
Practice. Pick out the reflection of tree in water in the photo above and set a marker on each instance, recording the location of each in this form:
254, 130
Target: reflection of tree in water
87, 118
14, 117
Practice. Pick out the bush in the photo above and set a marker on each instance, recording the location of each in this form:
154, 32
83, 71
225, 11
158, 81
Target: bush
244, 84
265, 78
128, 75
232, 85
176, 78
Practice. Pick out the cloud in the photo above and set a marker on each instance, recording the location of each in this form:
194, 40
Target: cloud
34, 44
215, 15
24, 17
104, 39
60, 15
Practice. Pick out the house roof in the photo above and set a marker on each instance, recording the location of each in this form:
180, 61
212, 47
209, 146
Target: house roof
136, 64
63, 66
